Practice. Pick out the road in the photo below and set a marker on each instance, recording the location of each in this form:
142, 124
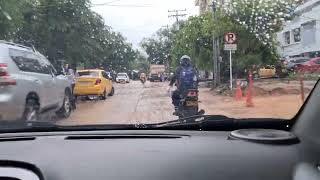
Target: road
135, 103
132, 103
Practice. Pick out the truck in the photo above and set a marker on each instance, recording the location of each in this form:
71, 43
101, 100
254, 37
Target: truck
155, 72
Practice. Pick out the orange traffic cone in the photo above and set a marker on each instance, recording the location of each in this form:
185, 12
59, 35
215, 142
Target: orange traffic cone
249, 102
238, 91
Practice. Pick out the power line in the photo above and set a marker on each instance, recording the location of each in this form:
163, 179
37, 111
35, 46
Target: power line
177, 15
110, 3
106, 3
127, 5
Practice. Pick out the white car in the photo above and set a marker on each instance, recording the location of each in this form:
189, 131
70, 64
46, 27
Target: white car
30, 85
122, 77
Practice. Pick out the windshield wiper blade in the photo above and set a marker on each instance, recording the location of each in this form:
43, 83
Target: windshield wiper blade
198, 120
220, 122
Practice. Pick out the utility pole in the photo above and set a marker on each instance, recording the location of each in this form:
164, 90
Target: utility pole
168, 56
177, 15
216, 52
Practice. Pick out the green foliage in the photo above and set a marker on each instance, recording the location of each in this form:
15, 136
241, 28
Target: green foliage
255, 23
158, 47
140, 63
65, 30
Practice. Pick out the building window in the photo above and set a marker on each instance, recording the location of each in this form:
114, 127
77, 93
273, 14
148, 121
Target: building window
287, 37
308, 33
296, 35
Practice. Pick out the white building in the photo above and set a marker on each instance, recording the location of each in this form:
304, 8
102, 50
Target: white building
301, 36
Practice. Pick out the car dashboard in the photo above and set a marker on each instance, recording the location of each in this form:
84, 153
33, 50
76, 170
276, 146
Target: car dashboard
158, 154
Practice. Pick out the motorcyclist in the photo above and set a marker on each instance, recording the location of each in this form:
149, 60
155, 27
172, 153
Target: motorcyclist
143, 77
185, 78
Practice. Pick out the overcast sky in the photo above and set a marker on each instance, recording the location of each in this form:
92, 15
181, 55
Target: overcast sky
138, 22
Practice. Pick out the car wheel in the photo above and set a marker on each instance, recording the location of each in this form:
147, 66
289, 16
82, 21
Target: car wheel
104, 95
31, 111
66, 108
112, 92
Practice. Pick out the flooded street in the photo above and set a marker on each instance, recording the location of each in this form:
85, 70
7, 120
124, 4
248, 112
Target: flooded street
150, 103
132, 103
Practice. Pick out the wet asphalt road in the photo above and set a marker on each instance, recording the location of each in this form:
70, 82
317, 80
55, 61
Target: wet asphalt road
132, 103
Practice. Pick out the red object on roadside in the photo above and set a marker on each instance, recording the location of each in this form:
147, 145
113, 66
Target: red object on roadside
311, 65
249, 102
238, 91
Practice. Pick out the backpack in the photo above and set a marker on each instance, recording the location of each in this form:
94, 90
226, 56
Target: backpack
186, 80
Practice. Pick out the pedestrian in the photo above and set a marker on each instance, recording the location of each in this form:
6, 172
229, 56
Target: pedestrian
162, 77
70, 73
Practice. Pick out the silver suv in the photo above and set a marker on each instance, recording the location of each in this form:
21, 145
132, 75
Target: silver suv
30, 85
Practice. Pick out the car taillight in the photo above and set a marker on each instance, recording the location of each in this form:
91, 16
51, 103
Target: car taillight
3, 70
5, 79
192, 94
98, 81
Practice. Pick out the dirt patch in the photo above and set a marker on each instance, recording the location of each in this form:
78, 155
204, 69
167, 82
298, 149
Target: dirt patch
258, 91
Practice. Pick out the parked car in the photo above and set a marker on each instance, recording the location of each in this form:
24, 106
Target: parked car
93, 83
292, 63
122, 77
310, 65
29, 85
154, 77
265, 72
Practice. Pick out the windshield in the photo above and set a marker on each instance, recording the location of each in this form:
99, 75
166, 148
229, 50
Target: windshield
88, 73
122, 75
103, 62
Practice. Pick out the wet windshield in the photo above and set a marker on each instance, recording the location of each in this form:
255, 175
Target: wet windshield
122, 75
102, 62
88, 73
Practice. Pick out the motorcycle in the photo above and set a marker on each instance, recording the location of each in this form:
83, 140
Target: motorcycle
189, 104
143, 80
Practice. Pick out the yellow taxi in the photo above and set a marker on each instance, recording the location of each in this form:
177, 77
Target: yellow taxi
265, 72
93, 83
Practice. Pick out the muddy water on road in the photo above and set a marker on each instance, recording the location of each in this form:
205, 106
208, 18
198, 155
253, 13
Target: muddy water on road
132, 103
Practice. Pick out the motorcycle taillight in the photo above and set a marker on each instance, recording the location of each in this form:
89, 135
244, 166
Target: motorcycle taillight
192, 94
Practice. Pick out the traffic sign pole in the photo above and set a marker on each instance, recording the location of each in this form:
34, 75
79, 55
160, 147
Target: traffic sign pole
230, 45
231, 70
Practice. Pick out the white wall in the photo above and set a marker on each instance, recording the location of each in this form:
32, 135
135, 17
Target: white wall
293, 48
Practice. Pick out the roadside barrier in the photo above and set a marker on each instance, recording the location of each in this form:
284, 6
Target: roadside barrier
238, 91
249, 102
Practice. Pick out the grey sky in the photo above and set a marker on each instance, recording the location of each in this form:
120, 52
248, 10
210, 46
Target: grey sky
138, 22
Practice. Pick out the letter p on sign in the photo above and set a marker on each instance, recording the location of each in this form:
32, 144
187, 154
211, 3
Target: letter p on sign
230, 38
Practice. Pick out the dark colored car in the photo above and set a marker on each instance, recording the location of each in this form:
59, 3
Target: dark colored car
291, 64
154, 77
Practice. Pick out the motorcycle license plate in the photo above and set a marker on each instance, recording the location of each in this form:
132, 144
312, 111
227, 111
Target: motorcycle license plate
191, 103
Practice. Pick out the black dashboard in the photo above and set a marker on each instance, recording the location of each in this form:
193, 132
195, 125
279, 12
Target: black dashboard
109, 155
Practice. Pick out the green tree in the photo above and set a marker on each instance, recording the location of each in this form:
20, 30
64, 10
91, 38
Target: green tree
65, 30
